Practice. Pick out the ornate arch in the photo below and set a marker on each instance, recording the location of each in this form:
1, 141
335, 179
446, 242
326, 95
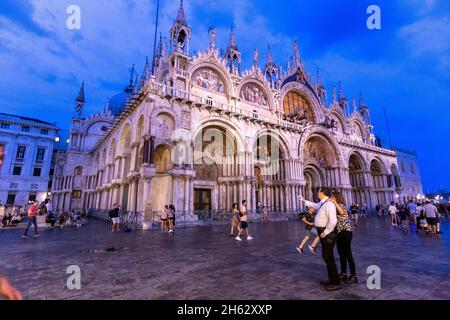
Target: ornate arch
308, 94
220, 122
360, 157
318, 131
261, 83
334, 112
282, 141
219, 69
381, 162
162, 110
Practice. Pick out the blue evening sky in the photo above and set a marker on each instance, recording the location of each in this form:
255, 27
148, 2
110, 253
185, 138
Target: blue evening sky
404, 67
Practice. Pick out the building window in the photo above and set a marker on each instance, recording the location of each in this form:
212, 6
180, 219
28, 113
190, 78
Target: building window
17, 171
40, 154
412, 169
25, 129
4, 125
403, 167
37, 172
20, 153
32, 198
76, 194
2, 155
44, 131
11, 198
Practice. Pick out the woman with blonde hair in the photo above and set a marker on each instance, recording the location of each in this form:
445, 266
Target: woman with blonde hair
344, 239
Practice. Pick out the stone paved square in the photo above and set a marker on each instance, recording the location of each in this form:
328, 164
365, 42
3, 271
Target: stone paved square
205, 263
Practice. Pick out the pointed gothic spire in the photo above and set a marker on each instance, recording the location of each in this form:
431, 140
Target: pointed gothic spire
80, 97
164, 48
362, 103
340, 92
212, 38
232, 55
80, 101
334, 95
146, 74
354, 104
269, 61
181, 17
318, 79
232, 42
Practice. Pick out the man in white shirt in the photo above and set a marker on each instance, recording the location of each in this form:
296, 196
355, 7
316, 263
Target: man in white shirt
432, 215
325, 223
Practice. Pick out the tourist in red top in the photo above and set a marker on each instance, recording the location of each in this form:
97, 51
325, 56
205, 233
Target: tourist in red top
32, 213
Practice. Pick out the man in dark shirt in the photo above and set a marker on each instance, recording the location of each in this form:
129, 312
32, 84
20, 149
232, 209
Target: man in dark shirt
114, 214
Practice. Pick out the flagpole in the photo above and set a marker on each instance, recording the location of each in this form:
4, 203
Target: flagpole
154, 42
387, 125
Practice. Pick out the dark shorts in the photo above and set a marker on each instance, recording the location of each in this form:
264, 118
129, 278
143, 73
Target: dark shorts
164, 219
432, 221
244, 225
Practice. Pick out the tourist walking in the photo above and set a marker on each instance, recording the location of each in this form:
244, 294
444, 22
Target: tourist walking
164, 218
171, 218
32, 213
403, 216
310, 232
420, 216
234, 222
244, 222
265, 214
344, 240
431, 214
393, 212
325, 223
114, 214
354, 210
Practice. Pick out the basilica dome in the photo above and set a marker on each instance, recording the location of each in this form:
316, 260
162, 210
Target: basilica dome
118, 102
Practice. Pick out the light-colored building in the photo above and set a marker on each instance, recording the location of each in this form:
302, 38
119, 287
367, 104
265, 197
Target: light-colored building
409, 173
160, 141
27, 147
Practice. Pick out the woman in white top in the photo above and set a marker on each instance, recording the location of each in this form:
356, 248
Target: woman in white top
393, 211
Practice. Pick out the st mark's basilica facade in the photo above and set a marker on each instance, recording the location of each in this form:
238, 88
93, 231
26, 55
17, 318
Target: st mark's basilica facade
201, 134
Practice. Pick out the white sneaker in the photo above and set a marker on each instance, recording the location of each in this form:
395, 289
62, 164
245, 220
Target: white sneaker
313, 250
238, 238
249, 238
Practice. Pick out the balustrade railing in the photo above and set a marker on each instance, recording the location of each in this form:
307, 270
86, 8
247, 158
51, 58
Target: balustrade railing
152, 219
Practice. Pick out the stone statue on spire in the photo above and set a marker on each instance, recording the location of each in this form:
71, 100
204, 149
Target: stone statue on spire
255, 59
212, 38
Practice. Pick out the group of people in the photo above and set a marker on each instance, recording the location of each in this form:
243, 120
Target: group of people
329, 223
239, 221
168, 219
11, 217
425, 215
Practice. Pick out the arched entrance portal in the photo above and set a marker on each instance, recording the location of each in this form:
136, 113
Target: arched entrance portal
321, 165
356, 171
271, 174
218, 168
313, 182
380, 182
162, 183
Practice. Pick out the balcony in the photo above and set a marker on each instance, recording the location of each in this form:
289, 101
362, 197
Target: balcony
208, 102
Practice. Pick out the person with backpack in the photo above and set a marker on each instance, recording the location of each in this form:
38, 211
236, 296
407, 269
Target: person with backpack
114, 214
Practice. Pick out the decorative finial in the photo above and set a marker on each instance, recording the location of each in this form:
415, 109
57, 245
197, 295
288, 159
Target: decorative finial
297, 62
334, 94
